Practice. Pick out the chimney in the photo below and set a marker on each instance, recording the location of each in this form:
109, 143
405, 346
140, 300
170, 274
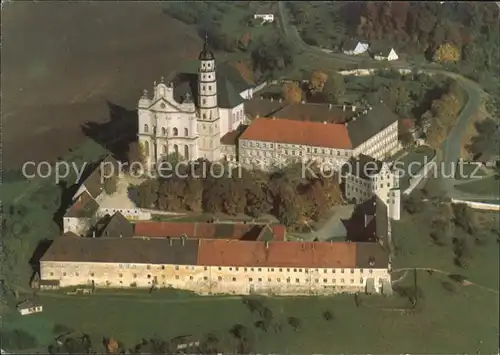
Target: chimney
343, 107
267, 244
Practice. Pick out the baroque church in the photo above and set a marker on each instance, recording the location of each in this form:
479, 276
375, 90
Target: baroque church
190, 112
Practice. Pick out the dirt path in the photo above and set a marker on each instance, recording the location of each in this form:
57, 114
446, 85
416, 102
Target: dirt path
465, 282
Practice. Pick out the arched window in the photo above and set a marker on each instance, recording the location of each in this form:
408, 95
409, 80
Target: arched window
165, 149
186, 152
186, 132
163, 131
176, 132
176, 149
146, 148
146, 128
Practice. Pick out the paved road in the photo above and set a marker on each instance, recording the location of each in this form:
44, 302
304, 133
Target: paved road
451, 147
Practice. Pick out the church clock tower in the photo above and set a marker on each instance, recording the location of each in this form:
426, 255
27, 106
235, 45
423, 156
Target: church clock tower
208, 120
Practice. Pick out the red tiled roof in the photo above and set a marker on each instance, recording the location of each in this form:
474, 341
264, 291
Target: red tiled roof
230, 138
280, 130
220, 252
205, 230
279, 231
164, 229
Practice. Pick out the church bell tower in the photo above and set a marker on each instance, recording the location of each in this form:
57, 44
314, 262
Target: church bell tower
208, 120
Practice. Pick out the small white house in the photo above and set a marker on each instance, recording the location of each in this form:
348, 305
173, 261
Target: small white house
389, 54
353, 47
28, 307
265, 18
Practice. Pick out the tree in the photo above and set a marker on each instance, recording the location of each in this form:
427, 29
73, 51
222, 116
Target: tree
334, 88
328, 315
294, 323
317, 81
112, 346
210, 345
447, 52
147, 193
272, 54
111, 185
244, 41
135, 153
292, 93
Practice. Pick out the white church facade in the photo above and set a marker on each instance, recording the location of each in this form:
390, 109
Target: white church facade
190, 119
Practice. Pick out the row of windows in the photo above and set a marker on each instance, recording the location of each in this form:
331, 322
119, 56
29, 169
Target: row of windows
245, 269
250, 279
166, 131
298, 150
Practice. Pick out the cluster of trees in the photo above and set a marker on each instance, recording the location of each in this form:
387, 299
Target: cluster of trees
322, 87
444, 112
487, 139
269, 54
272, 54
284, 193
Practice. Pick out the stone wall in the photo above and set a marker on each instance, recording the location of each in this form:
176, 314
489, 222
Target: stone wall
214, 280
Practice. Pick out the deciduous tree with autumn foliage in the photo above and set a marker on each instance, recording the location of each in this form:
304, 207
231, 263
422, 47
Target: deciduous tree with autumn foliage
292, 93
447, 52
317, 81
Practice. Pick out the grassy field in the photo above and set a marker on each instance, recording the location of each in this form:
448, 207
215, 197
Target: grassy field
65, 62
415, 248
419, 157
442, 325
469, 171
40, 200
488, 186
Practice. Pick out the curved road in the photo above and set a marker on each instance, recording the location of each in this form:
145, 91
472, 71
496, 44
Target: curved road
450, 152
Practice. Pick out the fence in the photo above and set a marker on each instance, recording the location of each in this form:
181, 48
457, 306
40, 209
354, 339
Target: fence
479, 205
131, 214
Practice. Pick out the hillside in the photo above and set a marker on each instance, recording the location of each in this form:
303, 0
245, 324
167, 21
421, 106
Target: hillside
62, 63
417, 30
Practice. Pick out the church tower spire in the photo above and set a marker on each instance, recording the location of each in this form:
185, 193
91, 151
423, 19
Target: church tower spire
208, 121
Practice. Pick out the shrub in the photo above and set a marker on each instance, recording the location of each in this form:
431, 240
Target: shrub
61, 329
